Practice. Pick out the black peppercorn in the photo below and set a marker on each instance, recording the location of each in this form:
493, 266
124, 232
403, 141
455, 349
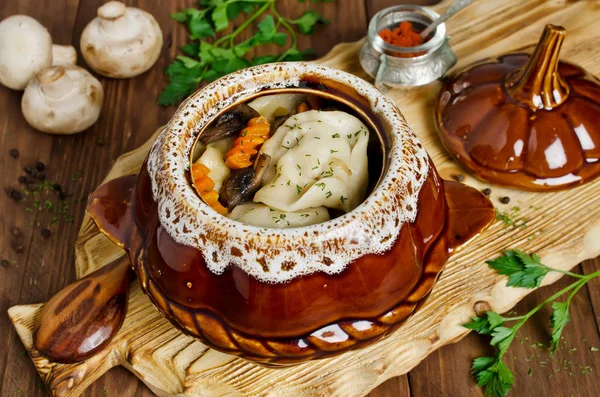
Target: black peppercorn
57, 187
40, 166
487, 191
4, 263
458, 177
28, 170
22, 179
14, 153
45, 233
505, 200
15, 195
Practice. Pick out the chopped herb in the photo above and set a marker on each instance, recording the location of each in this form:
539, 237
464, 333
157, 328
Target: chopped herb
328, 194
333, 151
299, 189
343, 199
321, 185
335, 136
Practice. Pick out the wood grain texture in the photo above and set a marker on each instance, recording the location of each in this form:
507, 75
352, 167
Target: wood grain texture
498, 26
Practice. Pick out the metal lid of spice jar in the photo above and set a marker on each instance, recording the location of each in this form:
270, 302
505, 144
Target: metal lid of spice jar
396, 66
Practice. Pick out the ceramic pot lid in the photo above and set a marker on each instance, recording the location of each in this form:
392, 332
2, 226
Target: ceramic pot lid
528, 121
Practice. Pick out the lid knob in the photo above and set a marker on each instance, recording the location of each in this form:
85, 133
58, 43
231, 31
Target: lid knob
539, 85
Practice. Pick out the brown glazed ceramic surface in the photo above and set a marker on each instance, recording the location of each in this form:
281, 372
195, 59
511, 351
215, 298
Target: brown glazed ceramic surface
528, 121
312, 314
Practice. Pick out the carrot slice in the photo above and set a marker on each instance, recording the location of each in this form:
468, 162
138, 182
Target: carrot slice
205, 186
246, 145
302, 107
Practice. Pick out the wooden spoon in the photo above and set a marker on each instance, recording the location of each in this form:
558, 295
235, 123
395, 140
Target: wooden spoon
83, 317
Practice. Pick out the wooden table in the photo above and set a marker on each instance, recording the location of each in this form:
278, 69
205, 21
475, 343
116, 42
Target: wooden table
130, 116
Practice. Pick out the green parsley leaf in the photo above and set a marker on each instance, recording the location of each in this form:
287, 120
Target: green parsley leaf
522, 270
492, 374
306, 23
234, 9
220, 18
188, 62
501, 337
183, 81
192, 49
200, 28
209, 60
264, 59
560, 317
179, 16
485, 324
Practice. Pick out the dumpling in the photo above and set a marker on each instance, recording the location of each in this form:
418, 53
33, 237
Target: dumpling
273, 106
264, 216
214, 158
318, 159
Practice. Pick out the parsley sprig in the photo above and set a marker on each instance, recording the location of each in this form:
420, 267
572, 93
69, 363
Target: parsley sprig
526, 271
208, 57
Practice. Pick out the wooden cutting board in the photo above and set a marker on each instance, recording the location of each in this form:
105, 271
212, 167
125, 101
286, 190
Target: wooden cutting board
564, 228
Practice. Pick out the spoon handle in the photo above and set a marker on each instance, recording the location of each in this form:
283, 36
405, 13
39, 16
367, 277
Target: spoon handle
453, 9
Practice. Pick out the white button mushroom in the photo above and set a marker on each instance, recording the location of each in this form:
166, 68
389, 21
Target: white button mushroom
121, 41
25, 49
62, 100
63, 55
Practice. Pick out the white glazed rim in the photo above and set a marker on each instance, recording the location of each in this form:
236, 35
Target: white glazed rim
279, 255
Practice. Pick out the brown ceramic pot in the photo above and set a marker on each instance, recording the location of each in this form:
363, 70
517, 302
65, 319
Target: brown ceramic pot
528, 121
283, 296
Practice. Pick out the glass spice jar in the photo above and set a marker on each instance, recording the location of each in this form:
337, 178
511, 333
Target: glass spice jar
393, 66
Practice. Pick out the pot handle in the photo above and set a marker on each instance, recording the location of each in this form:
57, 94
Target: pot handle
110, 208
82, 318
